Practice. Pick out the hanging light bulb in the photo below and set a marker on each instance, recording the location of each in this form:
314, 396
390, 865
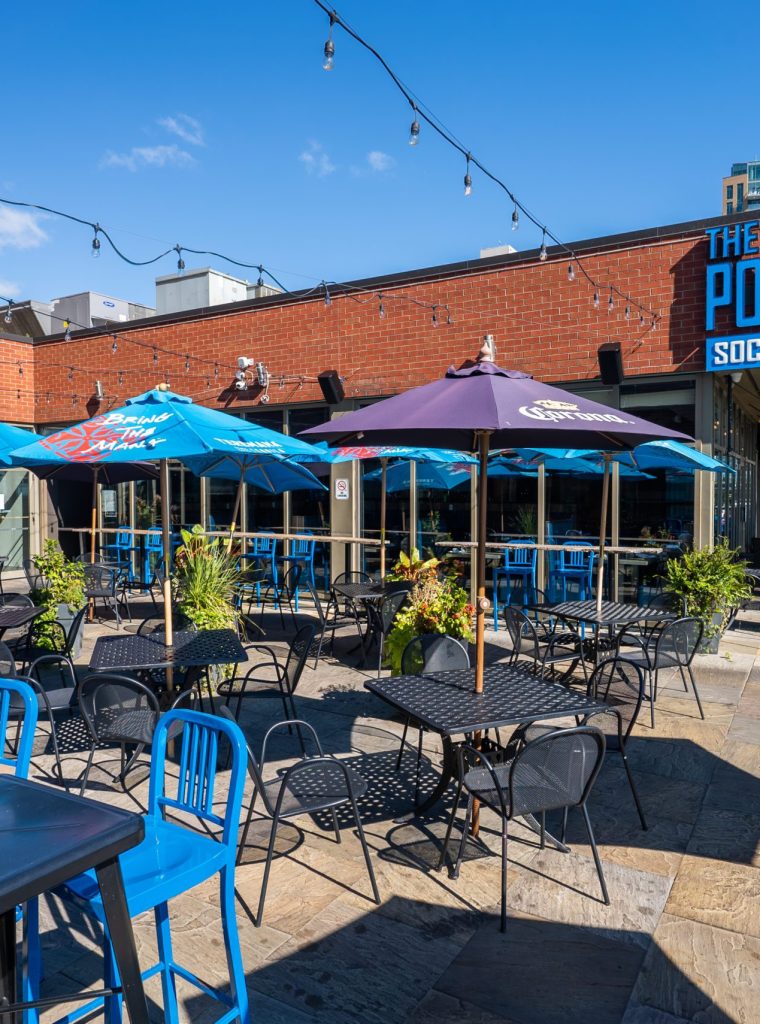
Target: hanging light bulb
95, 250
414, 131
66, 331
328, 297
8, 318
641, 319
596, 300
381, 308
449, 321
70, 374
515, 218
187, 363
570, 272
329, 62
628, 312
260, 281
180, 261
114, 346
467, 179
155, 357
434, 318
216, 370
542, 253
654, 323
610, 302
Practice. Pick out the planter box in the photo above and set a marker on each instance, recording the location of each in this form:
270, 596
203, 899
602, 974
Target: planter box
710, 645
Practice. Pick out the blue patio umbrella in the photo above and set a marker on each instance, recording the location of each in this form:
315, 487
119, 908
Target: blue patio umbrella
652, 455
160, 425
385, 453
573, 465
430, 476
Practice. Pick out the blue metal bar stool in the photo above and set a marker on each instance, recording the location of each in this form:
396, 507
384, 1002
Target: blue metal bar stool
153, 549
575, 566
519, 563
173, 858
301, 553
121, 551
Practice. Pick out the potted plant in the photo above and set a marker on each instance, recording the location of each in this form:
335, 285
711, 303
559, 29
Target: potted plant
412, 569
205, 581
435, 605
708, 583
60, 592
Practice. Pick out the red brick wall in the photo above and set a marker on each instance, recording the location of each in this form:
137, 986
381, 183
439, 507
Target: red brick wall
17, 379
542, 324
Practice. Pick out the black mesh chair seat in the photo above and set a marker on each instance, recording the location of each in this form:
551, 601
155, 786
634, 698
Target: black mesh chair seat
135, 726
648, 657
321, 786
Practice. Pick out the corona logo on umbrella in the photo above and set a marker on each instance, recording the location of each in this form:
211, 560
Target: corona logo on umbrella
553, 410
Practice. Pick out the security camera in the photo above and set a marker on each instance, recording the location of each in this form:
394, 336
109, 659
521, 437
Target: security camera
244, 362
264, 398
241, 385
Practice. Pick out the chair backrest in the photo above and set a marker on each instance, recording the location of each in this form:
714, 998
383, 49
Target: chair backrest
556, 770
680, 639
254, 770
14, 693
582, 558
303, 547
390, 606
34, 577
433, 652
515, 556
19, 600
521, 630
619, 683
315, 598
123, 538
292, 578
103, 697
265, 546
7, 662
100, 577
298, 653
154, 539
195, 790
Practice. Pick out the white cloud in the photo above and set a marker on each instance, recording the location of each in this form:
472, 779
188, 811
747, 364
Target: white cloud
148, 156
9, 289
185, 127
20, 229
316, 161
379, 161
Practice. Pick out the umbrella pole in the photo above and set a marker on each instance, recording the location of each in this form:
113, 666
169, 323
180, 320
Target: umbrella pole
235, 511
383, 493
166, 585
603, 531
481, 603
93, 534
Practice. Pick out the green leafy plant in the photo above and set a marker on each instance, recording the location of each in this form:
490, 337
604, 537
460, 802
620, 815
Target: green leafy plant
434, 606
708, 582
62, 582
205, 581
524, 520
412, 567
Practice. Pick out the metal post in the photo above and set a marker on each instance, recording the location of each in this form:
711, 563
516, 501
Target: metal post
481, 603
412, 506
167, 545
603, 531
383, 494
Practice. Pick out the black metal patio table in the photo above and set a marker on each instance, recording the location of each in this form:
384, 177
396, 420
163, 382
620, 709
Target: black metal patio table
48, 837
13, 615
446, 703
131, 651
371, 590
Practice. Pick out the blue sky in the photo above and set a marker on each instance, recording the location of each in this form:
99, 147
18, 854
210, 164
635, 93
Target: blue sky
215, 126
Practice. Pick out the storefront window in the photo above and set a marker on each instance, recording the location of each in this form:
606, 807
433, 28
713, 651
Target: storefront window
14, 518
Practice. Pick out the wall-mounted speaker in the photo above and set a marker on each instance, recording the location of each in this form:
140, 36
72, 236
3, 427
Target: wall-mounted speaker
332, 386
610, 363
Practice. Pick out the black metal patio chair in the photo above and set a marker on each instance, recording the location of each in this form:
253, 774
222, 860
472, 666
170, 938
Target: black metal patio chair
104, 583
329, 620
546, 648
278, 591
315, 783
554, 772
63, 639
381, 617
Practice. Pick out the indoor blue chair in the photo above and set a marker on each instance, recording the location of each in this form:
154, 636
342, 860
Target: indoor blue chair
519, 563
121, 551
302, 553
152, 552
576, 566
173, 858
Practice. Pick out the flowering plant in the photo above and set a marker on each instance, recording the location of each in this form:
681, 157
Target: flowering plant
412, 567
434, 606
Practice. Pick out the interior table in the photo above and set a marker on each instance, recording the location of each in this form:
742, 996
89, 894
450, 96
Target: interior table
48, 837
14, 615
131, 651
446, 703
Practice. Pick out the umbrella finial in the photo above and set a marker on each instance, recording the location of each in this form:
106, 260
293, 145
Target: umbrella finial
487, 353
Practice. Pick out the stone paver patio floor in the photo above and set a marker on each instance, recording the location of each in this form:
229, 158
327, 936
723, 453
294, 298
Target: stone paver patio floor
679, 942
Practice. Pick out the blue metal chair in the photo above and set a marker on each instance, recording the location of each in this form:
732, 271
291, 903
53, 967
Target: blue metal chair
173, 858
302, 553
154, 548
519, 563
121, 551
576, 566
16, 695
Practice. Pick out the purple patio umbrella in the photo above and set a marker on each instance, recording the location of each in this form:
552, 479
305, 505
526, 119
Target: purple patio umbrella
480, 407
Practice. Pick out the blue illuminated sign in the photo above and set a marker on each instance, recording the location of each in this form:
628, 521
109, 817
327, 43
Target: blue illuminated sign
733, 284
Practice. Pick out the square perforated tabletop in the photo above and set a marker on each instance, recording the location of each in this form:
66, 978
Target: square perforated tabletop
369, 591
130, 651
447, 703
614, 613
12, 615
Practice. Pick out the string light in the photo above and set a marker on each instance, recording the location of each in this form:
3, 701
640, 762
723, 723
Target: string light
67, 330
187, 363
438, 127
611, 301
70, 374
95, 249
155, 357
20, 369
542, 253
8, 318
435, 316
328, 297
596, 300
468, 179
180, 261
641, 319
515, 219
329, 51
628, 312
414, 130
570, 272
114, 346
381, 308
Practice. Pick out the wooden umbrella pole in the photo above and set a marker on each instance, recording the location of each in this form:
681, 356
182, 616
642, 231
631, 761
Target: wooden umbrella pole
94, 512
603, 532
167, 544
383, 494
235, 512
